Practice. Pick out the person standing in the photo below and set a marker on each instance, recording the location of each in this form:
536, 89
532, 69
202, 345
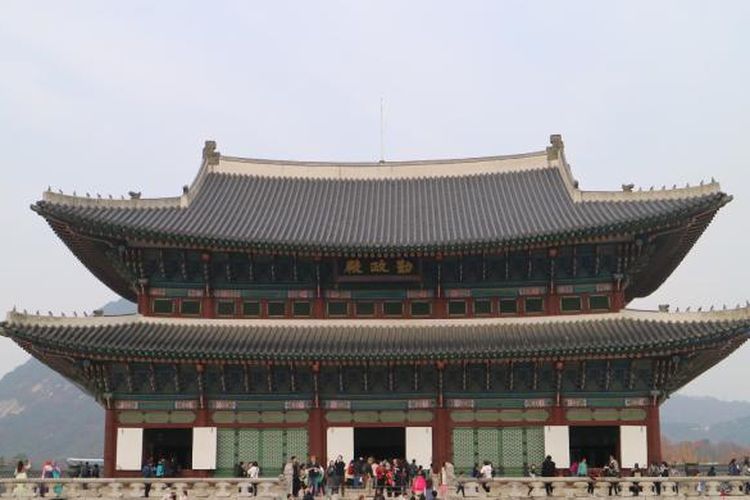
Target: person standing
485, 475
22, 490
147, 472
340, 467
548, 470
253, 473
583, 468
289, 474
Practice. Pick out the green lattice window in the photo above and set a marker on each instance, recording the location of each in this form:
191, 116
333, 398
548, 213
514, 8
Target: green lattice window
393, 308
534, 305
508, 448
570, 304
251, 309
276, 309
225, 308
599, 302
508, 306
301, 309
271, 448
420, 308
457, 308
162, 306
482, 307
365, 308
189, 307
337, 309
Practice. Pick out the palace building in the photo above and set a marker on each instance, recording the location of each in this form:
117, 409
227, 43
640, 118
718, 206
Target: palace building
451, 310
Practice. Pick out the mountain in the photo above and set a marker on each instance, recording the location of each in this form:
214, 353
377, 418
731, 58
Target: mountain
42, 415
693, 418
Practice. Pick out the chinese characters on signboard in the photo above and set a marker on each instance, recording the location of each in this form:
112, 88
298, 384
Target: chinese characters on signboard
378, 267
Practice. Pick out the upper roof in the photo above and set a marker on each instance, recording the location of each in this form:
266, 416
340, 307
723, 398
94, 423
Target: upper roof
628, 332
439, 205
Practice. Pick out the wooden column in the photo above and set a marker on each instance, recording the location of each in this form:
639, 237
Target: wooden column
653, 432
316, 423
110, 442
442, 440
143, 302
558, 410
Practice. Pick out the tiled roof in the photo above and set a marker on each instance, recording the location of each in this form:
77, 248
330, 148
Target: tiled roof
433, 206
612, 334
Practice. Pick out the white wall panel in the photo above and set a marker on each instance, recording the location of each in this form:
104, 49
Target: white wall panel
633, 446
419, 445
340, 441
204, 448
129, 449
557, 444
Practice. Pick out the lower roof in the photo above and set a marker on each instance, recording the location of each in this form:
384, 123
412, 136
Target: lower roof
625, 333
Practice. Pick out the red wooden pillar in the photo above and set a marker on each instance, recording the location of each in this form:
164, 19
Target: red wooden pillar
316, 426
143, 303
442, 439
110, 442
653, 432
317, 432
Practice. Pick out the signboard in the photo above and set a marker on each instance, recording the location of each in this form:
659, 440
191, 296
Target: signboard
377, 269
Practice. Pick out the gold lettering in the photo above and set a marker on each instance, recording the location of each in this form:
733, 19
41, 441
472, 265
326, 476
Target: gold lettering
378, 266
404, 267
353, 266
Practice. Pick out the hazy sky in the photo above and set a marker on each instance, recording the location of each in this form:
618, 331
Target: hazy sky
106, 97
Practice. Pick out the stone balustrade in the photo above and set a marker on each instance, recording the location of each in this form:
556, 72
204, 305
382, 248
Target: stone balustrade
277, 489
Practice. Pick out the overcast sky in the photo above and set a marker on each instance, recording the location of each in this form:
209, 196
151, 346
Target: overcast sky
106, 97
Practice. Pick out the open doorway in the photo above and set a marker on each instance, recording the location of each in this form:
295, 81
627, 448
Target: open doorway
174, 446
380, 442
595, 443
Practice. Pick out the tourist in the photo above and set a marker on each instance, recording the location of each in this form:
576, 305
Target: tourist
253, 472
288, 473
24, 489
733, 469
332, 485
573, 469
418, 485
448, 478
532, 471
47, 473
548, 470
147, 472
160, 469
239, 469
485, 475
296, 477
583, 468
340, 467
413, 469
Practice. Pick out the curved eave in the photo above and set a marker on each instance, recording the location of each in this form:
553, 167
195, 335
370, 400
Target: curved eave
75, 231
624, 334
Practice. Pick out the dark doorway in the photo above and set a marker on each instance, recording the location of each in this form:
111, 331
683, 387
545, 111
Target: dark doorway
380, 442
174, 445
596, 444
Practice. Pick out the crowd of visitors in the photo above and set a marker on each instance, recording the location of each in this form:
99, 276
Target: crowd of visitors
382, 478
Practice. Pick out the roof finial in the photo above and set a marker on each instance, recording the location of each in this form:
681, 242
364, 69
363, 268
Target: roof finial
628, 188
134, 195
556, 147
210, 155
